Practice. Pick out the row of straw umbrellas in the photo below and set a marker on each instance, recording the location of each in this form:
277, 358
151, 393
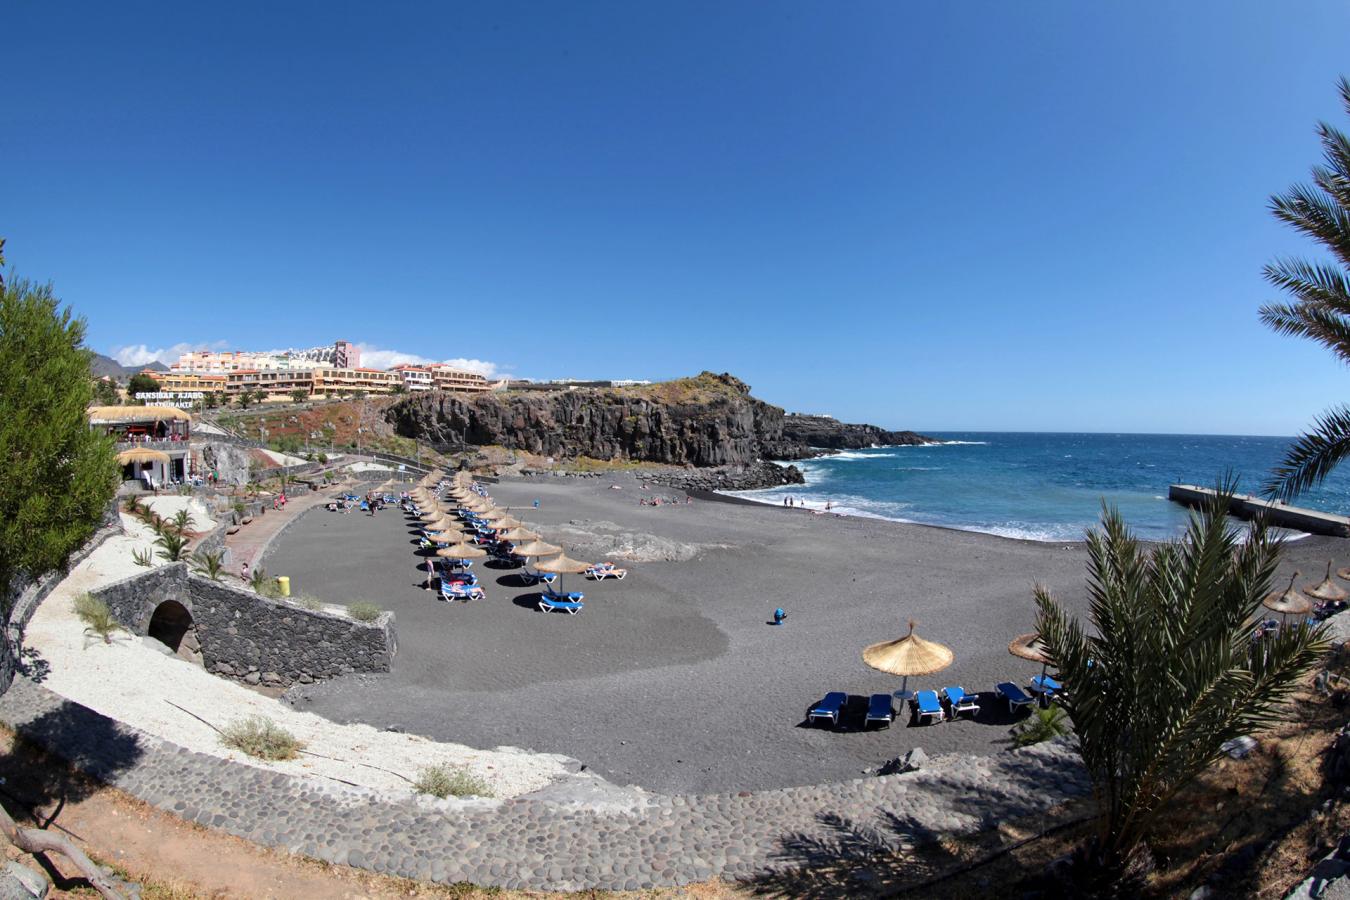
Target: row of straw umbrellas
1290, 602
527, 543
913, 655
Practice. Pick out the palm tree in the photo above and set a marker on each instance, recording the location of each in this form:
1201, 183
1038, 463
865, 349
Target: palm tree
1321, 307
171, 544
182, 521
1167, 670
210, 565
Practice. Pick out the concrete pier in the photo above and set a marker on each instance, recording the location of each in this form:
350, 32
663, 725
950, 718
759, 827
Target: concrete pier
1276, 513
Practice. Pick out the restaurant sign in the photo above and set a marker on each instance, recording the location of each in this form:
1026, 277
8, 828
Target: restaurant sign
171, 398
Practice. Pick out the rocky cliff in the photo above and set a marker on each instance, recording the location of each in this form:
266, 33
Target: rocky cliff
706, 421
831, 434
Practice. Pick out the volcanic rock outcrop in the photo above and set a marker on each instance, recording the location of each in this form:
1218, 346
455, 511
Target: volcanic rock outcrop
707, 421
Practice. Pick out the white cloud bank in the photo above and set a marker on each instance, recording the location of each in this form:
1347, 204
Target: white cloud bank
141, 355
378, 358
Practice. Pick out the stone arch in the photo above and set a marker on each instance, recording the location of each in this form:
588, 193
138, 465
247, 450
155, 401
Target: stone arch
171, 624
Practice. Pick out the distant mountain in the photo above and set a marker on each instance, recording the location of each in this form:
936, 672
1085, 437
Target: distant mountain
102, 365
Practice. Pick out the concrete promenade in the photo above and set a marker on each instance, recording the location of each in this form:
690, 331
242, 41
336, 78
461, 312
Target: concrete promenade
1245, 506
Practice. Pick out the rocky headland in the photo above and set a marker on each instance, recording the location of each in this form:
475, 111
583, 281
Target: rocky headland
709, 424
825, 433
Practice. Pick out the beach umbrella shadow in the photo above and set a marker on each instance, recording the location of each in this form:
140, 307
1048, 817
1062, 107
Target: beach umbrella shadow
527, 601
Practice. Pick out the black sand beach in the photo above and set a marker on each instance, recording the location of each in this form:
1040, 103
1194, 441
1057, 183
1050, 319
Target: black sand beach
672, 679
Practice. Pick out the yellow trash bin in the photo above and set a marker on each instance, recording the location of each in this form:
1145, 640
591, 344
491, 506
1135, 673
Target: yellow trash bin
284, 582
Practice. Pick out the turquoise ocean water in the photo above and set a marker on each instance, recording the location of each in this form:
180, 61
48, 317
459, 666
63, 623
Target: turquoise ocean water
1045, 487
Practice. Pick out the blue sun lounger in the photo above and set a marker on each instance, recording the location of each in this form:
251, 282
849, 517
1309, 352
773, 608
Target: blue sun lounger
828, 710
1016, 697
960, 701
1046, 687
927, 705
567, 606
569, 597
879, 709
536, 577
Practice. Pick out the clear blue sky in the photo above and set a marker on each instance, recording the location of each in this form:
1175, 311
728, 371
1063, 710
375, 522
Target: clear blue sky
1016, 216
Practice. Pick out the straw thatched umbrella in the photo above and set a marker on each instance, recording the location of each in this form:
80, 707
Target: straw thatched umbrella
537, 548
518, 534
1030, 646
465, 551
502, 522
562, 565
906, 656
1288, 602
1327, 590
1343, 573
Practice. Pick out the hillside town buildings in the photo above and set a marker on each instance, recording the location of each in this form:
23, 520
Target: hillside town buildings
319, 373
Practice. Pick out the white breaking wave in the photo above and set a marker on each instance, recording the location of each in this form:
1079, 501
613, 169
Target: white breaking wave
854, 454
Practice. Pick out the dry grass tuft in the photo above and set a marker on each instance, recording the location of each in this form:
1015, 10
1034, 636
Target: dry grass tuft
262, 738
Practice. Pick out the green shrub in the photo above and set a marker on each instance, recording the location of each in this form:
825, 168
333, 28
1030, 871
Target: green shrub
97, 618
310, 603
450, 781
1042, 725
362, 611
144, 557
260, 737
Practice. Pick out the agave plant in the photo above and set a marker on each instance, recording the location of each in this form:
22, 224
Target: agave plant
171, 544
209, 565
1321, 307
144, 557
1168, 670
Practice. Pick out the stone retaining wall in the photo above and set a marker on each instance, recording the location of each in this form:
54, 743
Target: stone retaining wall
24, 595
248, 637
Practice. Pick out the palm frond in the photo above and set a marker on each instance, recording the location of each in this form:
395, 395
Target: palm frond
1313, 456
1311, 283
1313, 212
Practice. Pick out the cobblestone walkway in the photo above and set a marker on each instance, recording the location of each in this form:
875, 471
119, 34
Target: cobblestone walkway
601, 837
251, 541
